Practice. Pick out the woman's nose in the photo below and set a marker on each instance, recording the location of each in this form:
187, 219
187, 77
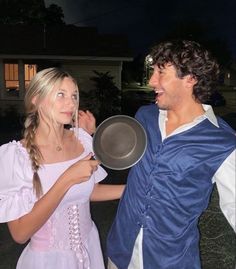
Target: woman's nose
70, 101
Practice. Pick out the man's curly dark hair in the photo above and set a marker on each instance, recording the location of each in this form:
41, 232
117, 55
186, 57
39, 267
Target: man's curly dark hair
189, 58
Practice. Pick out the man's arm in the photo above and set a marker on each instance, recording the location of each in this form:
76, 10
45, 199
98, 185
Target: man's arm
225, 179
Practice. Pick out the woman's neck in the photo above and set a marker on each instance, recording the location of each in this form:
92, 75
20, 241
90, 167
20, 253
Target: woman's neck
50, 135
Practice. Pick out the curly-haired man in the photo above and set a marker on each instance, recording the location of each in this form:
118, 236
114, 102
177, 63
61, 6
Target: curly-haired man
189, 149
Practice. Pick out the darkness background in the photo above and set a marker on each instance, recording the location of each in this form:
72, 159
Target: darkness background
212, 22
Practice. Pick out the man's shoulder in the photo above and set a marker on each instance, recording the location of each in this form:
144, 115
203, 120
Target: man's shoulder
151, 109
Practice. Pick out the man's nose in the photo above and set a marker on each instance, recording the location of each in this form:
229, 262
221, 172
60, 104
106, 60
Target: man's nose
153, 81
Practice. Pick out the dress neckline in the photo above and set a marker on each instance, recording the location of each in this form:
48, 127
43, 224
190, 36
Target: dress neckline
23, 149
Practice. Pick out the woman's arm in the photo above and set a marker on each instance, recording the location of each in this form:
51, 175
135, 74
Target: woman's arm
105, 192
23, 228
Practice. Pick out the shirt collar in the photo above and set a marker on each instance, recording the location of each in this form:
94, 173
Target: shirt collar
209, 114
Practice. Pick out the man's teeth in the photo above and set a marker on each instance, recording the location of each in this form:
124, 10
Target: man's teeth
158, 91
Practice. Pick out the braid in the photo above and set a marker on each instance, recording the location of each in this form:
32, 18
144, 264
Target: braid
31, 123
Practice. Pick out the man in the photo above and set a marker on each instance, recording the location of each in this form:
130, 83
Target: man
189, 149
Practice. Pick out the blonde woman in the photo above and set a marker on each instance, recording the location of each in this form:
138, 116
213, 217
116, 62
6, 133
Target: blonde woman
48, 179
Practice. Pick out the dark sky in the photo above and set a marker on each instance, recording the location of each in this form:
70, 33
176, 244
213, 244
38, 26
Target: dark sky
147, 21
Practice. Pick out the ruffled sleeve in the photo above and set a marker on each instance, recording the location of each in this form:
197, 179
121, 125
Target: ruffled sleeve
87, 141
16, 189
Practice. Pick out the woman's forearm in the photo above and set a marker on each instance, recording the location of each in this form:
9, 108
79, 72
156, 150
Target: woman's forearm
23, 228
105, 192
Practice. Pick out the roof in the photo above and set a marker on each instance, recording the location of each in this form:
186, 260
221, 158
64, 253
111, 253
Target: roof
63, 40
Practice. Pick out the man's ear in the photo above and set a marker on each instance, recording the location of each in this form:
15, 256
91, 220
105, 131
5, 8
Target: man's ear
191, 81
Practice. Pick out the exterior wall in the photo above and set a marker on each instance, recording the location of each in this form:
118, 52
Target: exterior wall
230, 77
230, 81
1, 80
82, 70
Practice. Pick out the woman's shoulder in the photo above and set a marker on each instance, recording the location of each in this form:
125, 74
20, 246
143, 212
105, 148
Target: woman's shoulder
82, 135
13, 156
12, 148
16, 188
85, 139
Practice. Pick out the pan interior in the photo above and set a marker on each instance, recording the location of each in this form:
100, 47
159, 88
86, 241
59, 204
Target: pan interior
119, 142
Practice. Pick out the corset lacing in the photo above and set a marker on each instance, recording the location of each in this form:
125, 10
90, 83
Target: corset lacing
76, 243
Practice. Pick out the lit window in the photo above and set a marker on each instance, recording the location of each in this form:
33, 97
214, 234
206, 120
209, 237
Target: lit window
12, 79
12, 71
30, 71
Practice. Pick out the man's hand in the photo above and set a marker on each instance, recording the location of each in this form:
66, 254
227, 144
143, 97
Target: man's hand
87, 121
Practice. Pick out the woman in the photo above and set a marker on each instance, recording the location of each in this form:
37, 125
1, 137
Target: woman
48, 178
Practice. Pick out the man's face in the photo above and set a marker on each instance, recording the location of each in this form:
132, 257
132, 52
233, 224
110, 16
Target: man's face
170, 90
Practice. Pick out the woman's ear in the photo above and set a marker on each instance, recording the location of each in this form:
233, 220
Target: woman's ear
34, 100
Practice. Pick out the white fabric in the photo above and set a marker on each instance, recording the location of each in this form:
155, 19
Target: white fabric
111, 265
136, 261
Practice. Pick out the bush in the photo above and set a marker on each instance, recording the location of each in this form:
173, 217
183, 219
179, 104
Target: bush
105, 100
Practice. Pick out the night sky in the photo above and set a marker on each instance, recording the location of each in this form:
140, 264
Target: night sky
147, 21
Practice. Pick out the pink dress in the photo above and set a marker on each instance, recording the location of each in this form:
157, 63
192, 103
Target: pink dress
69, 239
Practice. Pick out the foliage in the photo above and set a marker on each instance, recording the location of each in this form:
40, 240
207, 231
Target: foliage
105, 100
29, 12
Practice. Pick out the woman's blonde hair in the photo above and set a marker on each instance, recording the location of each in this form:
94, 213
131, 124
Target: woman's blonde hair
40, 86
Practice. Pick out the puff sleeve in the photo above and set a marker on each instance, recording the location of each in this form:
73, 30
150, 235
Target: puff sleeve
17, 197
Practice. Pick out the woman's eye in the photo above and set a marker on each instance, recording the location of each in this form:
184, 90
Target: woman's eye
60, 94
74, 97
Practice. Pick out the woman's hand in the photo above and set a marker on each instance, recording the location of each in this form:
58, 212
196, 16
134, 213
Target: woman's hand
81, 170
87, 121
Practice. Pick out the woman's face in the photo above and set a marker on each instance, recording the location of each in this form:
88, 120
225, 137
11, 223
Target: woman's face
60, 105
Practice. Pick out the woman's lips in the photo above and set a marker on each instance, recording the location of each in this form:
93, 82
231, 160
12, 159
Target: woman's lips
68, 114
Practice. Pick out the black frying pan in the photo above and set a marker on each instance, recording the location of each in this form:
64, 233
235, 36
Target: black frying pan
119, 142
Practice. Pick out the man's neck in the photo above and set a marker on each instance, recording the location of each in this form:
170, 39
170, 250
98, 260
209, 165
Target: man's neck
177, 118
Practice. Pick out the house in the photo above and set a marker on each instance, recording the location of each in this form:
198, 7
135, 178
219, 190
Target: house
24, 50
230, 74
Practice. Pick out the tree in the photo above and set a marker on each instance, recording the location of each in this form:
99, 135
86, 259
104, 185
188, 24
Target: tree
29, 12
